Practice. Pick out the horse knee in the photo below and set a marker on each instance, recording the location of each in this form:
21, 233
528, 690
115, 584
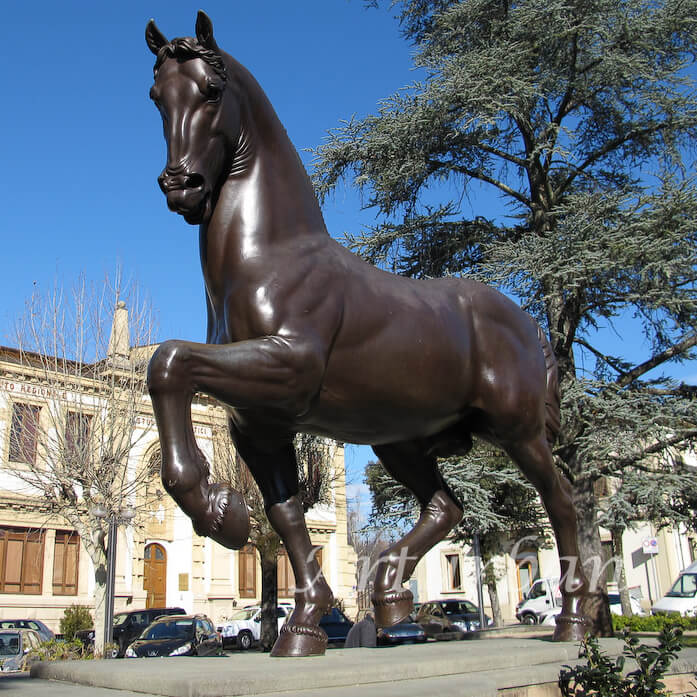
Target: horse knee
166, 370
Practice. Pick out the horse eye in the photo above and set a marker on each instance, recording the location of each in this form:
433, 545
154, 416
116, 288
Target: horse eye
213, 92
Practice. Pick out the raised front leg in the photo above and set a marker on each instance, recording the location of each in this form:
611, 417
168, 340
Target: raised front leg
272, 371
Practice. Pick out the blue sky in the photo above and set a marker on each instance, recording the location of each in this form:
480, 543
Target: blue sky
83, 145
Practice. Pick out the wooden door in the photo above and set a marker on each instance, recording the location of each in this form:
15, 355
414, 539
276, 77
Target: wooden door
155, 576
525, 578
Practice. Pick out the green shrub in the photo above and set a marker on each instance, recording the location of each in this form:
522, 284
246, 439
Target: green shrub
602, 677
74, 618
652, 623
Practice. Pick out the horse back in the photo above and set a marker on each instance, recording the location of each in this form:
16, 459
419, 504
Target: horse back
416, 356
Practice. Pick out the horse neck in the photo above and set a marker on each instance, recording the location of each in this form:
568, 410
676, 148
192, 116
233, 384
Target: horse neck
267, 171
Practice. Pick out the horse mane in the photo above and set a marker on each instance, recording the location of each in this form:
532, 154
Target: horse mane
186, 48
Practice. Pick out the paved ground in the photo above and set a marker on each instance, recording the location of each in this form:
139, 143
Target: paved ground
24, 686
462, 669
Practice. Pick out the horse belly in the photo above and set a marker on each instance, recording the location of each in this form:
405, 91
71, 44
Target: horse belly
381, 395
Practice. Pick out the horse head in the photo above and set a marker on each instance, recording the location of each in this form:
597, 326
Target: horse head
200, 117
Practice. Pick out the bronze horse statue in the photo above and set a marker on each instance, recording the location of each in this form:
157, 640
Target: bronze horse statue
304, 336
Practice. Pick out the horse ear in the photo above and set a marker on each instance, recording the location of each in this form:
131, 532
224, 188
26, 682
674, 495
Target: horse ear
204, 31
154, 37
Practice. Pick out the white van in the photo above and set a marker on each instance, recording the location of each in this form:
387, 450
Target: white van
544, 595
682, 597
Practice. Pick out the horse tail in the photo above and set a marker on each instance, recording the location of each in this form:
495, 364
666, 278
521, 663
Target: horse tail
552, 399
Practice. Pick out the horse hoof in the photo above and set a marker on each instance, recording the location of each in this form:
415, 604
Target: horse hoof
227, 519
392, 607
296, 640
571, 628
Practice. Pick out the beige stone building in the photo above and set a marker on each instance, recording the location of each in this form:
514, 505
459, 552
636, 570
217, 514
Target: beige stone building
44, 566
652, 561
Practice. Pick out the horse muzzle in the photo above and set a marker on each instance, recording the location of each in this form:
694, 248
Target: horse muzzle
186, 194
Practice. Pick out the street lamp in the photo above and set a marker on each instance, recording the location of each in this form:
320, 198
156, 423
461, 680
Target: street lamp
123, 517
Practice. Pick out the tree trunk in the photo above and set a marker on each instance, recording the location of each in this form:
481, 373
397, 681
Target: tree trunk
495, 604
618, 552
596, 607
269, 596
94, 542
490, 580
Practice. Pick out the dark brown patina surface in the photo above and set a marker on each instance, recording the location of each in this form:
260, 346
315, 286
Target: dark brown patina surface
304, 336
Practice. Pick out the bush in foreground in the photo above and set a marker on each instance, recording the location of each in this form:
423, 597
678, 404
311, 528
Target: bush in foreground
603, 677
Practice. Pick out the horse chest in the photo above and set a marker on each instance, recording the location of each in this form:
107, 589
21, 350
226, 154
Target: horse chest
260, 296
242, 314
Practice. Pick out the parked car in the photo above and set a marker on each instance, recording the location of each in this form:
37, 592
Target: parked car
407, 632
243, 628
336, 625
615, 608
128, 626
682, 596
177, 635
37, 625
15, 645
616, 605
449, 615
544, 595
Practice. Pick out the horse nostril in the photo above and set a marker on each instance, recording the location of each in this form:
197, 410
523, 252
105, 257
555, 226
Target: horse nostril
162, 181
173, 182
193, 181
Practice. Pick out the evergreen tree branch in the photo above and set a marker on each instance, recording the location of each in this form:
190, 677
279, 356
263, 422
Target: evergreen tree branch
635, 134
671, 352
655, 448
608, 360
483, 177
502, 154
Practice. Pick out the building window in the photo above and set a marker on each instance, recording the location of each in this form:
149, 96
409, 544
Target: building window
24, 433
284, 572
247, 558
65, 562
77, 436
453, 572
284, 575
21, 560
526, 568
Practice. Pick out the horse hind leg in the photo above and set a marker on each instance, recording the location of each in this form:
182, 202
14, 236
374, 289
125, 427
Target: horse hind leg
536, 462
411, 465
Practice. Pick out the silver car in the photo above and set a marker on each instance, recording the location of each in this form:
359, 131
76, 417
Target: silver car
15, 645
37, 625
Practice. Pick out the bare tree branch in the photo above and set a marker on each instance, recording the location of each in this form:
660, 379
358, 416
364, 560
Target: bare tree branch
80, 360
